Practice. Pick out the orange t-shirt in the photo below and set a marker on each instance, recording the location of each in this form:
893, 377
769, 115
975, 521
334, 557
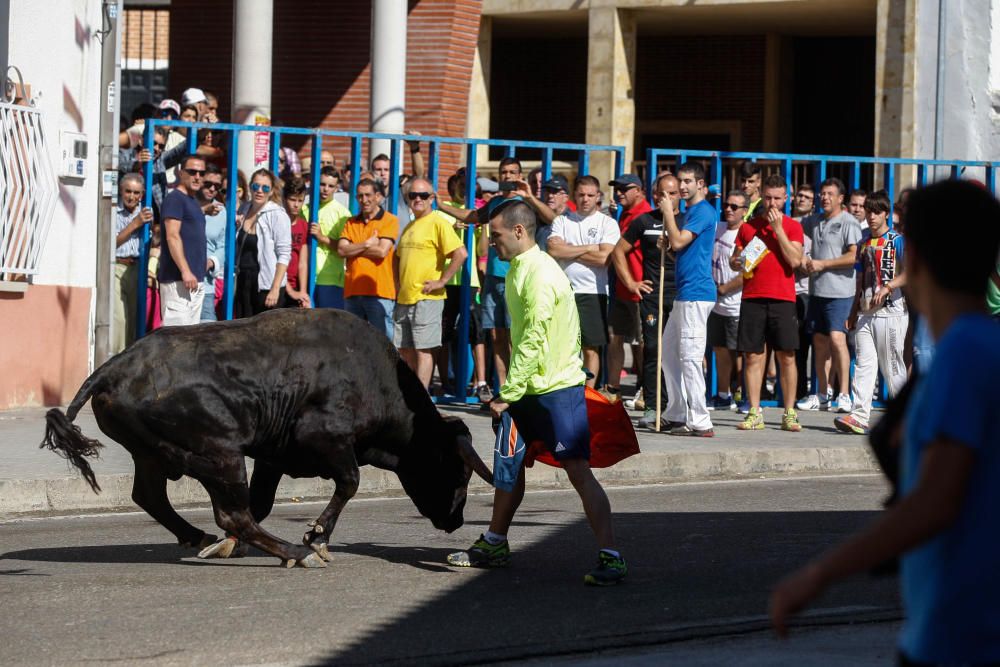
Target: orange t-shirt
365, 276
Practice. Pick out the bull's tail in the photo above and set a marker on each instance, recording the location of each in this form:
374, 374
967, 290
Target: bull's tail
66, 439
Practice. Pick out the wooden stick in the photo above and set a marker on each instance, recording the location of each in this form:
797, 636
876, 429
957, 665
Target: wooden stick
659, 334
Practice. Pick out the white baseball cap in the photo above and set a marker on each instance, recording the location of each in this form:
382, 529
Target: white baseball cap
193, 96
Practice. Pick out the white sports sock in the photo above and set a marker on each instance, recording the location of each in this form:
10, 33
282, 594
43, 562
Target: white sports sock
493, 538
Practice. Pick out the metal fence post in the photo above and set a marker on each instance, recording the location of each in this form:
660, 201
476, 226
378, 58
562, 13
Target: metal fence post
462, 370
228, 288
314, 168
147, 202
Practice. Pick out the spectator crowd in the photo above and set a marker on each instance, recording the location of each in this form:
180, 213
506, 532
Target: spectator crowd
761, 294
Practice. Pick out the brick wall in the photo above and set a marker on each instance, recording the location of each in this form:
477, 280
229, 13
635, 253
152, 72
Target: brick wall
321, 64
146, 34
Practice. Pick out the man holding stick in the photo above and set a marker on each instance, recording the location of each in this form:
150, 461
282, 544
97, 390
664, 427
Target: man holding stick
657, 290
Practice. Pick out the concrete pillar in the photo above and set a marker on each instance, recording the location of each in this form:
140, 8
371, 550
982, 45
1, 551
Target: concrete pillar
895, 78
252, 29
479, 89
610, 93
388, 78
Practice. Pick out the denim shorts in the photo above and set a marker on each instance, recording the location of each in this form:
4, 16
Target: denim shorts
826, 315
494, 304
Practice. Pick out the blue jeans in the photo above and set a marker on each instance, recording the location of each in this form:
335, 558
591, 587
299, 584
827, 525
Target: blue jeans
208, 305
375, 311
329, 296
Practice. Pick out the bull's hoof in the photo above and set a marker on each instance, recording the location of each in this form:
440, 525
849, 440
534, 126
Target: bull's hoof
313, 534
321, 550
224, 548
205, 541
312, 560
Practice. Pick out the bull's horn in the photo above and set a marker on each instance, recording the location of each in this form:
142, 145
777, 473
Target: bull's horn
469, 455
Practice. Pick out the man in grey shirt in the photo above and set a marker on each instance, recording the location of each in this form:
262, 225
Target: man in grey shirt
835, 234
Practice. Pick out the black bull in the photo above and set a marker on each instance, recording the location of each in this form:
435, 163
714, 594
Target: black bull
305, 393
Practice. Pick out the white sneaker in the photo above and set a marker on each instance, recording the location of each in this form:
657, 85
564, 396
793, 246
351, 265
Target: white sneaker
844, 403
630, 403
829, 393
812, 402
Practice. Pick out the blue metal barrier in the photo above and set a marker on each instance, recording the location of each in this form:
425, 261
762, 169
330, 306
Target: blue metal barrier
462, 367
856, 172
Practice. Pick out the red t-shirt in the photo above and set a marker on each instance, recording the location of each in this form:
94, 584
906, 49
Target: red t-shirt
300, 235
772, 278
633, 258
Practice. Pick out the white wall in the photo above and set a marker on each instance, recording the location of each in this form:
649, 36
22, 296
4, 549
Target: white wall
52, 42
970, 119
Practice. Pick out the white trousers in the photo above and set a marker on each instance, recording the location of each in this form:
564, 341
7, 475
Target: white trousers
683, 344
179, 305
879, 345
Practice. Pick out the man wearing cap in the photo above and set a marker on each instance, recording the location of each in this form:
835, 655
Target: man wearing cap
555, 193
624, 324
196, 97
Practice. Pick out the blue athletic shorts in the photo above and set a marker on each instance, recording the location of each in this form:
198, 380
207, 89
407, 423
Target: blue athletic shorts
558, 419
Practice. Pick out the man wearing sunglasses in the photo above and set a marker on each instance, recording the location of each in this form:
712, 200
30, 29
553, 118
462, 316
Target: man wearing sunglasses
185, 259
724, 320
624, 325
366, 244
424, 247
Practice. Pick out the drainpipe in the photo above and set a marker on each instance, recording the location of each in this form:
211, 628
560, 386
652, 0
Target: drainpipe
110, 38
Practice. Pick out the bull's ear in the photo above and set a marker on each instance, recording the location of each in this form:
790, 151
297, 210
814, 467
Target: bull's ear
463, 444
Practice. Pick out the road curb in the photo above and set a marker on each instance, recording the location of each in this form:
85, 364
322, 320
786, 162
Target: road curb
26, 497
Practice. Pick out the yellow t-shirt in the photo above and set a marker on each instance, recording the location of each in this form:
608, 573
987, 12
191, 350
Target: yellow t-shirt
422, 250
456, 280
330, 265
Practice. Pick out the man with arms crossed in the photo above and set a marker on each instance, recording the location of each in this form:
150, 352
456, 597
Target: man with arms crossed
544, 392
581, 241
767, 311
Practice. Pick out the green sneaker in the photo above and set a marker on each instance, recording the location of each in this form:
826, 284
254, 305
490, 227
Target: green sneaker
754, 420
609, 571
790, 421
482, 554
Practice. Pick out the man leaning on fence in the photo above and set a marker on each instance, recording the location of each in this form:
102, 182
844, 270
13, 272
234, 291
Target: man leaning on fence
129, 219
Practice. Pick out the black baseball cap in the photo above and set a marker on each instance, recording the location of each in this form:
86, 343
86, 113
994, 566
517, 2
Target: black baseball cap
626, 181
557, 182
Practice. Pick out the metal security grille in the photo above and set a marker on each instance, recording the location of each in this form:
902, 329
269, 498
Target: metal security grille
28, 190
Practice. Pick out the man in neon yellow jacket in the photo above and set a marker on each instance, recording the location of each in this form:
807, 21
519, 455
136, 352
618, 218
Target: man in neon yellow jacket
544, 391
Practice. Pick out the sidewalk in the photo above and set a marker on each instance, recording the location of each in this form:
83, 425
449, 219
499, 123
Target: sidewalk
35, 481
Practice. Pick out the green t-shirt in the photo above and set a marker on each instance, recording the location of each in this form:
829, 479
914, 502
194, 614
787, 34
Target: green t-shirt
456, 280
544, 329
329, 265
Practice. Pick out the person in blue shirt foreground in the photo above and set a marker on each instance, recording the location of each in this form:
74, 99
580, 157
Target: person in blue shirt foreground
943, 525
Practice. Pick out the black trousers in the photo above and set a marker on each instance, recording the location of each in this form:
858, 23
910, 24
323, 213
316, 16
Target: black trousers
249, 298
650, 339
802, 354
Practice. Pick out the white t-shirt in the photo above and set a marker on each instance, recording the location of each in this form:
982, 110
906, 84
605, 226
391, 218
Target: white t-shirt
725, 241
595, 229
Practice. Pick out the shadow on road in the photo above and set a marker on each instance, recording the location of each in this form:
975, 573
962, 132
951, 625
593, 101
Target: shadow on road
686, 572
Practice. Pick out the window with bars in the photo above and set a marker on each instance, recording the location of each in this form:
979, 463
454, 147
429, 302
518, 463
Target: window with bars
145, 56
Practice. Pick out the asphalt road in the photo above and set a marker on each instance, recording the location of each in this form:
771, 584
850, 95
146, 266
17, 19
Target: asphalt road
702, 558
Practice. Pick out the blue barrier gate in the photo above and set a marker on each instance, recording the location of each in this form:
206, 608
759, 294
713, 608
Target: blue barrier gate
462, 367
856, 172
